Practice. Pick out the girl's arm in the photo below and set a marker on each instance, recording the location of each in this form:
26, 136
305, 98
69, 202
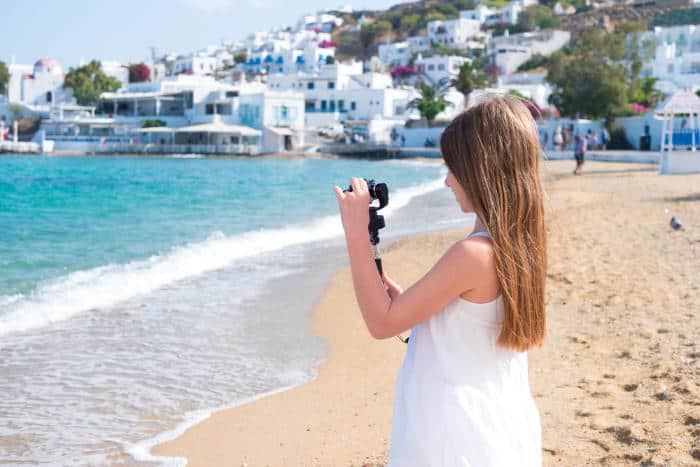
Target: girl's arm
456, 272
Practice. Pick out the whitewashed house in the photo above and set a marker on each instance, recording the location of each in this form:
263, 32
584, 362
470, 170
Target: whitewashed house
676, 57
394, 53
40, 84
288, 52
453, 32
532, 85
342, 92
438, 68
418, 44
117, 70
508, 52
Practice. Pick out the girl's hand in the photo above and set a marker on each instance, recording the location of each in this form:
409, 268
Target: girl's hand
392, 287
354, 208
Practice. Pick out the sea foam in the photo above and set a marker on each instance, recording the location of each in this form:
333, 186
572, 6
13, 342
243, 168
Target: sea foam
62, 298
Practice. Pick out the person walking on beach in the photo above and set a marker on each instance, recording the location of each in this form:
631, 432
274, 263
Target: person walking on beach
579, 153
604, 138
462, 394
558, 140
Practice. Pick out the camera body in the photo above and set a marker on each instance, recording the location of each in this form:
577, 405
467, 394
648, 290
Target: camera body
378, 191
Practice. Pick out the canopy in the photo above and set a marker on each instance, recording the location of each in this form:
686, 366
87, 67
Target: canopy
219, 128
679, 103
280, 131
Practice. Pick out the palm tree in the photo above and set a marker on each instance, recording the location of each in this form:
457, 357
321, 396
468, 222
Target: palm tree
431, 101
468, 79
651, 95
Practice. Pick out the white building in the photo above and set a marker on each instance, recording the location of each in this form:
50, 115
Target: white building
453, 32
439, 67
278, 114
508, 52
322, 22
37, 85
118, 71
288, 52
480, 13
532, 85
394, 53
400, 53
197, 110
342, 92
676, 58
491, 16
199, 63
418, 44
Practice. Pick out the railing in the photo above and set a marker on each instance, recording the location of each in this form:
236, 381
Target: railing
326, 111
188, 148
684, 138
116, 145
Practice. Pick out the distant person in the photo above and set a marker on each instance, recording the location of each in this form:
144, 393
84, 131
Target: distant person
604, 138
594, 141
579, 153
462, 395
558, 140
403, 141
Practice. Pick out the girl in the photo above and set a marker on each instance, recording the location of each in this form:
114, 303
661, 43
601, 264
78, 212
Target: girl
462, 395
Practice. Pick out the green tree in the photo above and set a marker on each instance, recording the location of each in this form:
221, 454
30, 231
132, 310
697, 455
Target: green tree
368, 32
409, 22
598, 74
430, 103
536, 16
89, 81
587, 85
434, 16
152, 123
16, 111
4, 78
468, 79
647, 94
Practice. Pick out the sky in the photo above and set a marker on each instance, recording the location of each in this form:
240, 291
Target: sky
125, 30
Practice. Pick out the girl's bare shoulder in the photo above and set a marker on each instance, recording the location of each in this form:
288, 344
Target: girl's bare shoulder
476, 252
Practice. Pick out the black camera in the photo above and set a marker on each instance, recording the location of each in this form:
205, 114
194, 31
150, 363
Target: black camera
378, 191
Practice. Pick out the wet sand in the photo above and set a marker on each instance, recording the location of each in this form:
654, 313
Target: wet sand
617, 382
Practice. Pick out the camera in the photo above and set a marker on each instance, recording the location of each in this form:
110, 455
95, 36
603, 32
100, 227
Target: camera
378, 191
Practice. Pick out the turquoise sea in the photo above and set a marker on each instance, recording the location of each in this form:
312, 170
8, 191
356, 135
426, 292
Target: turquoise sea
138, 294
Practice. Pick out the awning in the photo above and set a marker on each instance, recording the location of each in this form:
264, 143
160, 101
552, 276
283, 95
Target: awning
219, 128
280, 131
156, 129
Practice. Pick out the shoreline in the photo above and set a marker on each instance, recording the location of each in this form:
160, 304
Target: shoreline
342, 417
308, 422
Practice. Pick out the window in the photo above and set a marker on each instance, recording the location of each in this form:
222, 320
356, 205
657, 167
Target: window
323, 105
209, 109
431, 67
234, 140
231, 93
353, 105
441, 67
310, 106
341, 105
331, 85
332, 104
310, 85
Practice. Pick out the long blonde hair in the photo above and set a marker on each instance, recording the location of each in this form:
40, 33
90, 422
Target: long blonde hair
493, 150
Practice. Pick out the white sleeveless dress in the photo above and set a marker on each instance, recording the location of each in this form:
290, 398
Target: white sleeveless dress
460, 400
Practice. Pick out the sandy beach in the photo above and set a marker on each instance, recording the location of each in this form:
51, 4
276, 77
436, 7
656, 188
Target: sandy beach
617, 382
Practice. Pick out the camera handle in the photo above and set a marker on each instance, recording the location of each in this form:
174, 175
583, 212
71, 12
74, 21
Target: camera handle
376, 222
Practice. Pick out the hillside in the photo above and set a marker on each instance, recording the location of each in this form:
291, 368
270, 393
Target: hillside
411, 18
